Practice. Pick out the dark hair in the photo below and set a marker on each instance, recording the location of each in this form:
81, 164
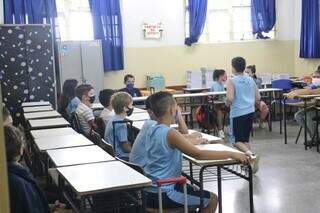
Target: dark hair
160, 102
217, 73
83, 89
126, 77
5, 113
68, 93
318, 68
253, 70
14, 142
239, 64
105, 97
148, 102
317, 72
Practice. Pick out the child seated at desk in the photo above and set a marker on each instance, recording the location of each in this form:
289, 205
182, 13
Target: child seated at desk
219, 78
122, 105
164, 158
260, 105
68, 102
242, 94
310, 111
130, 89
85, 93
104, 98
6, 116
137, 155
25, 194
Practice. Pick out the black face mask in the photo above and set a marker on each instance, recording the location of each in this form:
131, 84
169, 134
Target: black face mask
92, 99
130, 111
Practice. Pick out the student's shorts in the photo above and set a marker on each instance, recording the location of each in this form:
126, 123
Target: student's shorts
175, 198
241, 128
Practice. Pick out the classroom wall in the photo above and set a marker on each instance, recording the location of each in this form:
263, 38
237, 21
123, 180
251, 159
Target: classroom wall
172, 58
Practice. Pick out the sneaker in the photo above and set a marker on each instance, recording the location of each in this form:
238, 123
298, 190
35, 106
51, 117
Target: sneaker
255, 164
221, 134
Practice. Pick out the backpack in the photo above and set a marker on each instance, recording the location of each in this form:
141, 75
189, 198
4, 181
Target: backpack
205, 117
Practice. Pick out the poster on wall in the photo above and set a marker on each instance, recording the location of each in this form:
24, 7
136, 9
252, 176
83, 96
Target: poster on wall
152, 30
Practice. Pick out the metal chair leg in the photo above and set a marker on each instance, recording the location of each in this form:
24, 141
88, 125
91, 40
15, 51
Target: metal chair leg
298, 136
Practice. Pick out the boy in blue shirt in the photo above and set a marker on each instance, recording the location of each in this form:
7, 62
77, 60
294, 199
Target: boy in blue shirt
122, 105
242, 94
137, 155
129, 81
164, 158
219, 78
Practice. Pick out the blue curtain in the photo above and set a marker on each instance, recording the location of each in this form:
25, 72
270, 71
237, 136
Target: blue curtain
197, 19
29, 11
310, 29
107, 26
263, 17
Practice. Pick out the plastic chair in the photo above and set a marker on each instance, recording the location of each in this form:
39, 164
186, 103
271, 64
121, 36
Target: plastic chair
107, 147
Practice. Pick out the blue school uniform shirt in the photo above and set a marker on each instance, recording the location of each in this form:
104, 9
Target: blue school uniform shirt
138, 151
121, 136
162, 160
217, 87
73, 105
244, 96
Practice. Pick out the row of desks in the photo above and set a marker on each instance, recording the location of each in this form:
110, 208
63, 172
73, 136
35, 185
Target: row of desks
77, 161
80, 164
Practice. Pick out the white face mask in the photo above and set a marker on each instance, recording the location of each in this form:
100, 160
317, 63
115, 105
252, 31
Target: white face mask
316, 81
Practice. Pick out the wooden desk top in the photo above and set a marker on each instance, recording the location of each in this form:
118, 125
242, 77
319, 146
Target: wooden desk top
213, 147
139, 117
37, 109
48, 123
65, 141
39, 115
78, 155
40, 133
38, 103
96, 178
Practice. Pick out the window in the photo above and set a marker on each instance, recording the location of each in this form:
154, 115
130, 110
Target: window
227, 20
75, 21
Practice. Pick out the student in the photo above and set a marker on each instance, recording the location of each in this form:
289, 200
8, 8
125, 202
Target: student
130, 89
137, 155
260, 105
219, 78
164, 158
86, 95
121, 103
68, 101
6, 116
104, 98
242, 93
310, 111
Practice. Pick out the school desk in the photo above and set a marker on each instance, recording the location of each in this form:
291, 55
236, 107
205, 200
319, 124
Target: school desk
40, 133
48, 123
35, 103
139, 124
229, 165
99, 106
195, 90
210, 138
307, 101
37, 109
41, 115
78, 155
93, 179
139, 116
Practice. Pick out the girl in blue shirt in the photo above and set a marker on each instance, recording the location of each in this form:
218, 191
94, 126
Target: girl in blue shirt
219, 78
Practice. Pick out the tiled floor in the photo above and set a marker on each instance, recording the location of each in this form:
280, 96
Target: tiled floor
288, 180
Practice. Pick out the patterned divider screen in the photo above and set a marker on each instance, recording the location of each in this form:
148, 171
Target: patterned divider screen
26, 66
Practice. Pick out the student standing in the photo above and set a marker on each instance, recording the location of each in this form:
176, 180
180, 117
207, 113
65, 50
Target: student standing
122, 105
86, 95
242, 94
164, 158
219, 78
